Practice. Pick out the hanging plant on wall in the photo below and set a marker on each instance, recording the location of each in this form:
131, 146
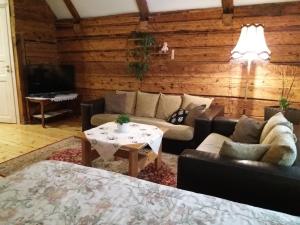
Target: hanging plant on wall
144, 42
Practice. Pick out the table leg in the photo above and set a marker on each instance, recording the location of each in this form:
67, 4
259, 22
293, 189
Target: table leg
158, 158
133, 163
86, 152
28, 111
42, 114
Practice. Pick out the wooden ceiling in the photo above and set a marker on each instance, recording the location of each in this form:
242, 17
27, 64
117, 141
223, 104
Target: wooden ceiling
77, 9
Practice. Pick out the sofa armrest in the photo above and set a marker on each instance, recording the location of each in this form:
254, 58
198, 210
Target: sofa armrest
88, 109
203, 124
255, 183
223, 126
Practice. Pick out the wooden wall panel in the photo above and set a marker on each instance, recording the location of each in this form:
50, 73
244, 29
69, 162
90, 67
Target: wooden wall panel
202, 46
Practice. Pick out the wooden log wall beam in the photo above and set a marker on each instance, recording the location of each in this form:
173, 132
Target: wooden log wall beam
227, 12
143, 8
73, 11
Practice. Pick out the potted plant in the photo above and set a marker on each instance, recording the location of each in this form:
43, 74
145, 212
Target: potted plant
122, 123
288, 75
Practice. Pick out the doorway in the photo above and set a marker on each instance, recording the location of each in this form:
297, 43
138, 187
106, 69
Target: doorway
8, 106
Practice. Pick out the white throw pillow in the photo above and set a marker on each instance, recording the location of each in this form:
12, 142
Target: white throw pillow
197, 100
277, 119
243, 151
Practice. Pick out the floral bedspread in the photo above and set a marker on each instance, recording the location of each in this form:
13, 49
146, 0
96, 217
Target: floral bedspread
52, 192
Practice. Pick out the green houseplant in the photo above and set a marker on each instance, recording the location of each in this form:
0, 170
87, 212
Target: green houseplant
122, 123
288, 77
141, 53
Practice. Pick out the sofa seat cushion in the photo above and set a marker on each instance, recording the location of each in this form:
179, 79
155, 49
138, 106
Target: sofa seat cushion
213, 143
175, 132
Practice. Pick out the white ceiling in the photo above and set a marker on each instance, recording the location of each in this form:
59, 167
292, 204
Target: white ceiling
95, 8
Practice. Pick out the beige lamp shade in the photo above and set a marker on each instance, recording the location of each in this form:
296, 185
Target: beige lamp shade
251, 45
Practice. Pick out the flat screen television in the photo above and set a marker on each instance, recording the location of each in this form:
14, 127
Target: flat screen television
45, 80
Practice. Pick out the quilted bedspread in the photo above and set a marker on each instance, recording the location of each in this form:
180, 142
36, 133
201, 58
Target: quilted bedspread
52, 192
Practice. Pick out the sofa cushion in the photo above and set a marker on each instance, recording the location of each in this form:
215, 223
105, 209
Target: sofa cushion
247, 130
277, 119
197, 100
283, 151
115, 103
193, 114
130, 101
167, 104
146, 104
178, 117
175, 132
276, 132
213, 143
243, 151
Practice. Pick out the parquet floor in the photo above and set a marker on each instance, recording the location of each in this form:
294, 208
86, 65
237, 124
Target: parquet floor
16, 140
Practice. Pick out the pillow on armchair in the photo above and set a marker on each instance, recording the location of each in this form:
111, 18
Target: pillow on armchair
247, 130
242, 151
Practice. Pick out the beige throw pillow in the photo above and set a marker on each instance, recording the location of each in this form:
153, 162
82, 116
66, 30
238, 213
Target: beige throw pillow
247, 130
197, 100
276, 132
243, 151
194, 113
167, 104
277, 119
146, 104
130, 101
283, 151
115, 103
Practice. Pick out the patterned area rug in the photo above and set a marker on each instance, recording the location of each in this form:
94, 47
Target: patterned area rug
69, 150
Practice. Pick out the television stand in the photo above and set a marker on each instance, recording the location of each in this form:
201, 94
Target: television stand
47, 101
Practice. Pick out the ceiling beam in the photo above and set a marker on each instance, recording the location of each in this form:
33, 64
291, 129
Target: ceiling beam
143, 8
73, 11
227, 6
227, 12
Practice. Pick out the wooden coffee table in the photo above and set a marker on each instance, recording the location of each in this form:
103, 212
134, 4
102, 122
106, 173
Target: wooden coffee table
135, 153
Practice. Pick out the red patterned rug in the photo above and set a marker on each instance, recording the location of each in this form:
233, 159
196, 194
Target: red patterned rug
164, 175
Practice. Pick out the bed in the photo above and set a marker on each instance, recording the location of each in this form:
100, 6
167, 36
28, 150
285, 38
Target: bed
52, 192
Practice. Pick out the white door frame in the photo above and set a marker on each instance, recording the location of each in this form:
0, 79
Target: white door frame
5, 4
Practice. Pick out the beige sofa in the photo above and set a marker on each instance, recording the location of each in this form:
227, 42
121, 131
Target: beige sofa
155, 109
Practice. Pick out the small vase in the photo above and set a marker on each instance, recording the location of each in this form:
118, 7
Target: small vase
122, 128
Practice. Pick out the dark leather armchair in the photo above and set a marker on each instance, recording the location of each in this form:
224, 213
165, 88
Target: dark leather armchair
254, 183
203, 125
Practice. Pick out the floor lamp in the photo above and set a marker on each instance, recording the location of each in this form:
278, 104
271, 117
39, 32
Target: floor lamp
251, 48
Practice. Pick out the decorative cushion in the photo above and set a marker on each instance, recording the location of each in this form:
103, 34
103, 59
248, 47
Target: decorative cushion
243, 151
277, 119
283, 151
115, 103
247, 130
276, 132
167, 104
178, 117
194, 113
197, 100
130, 101
146, 104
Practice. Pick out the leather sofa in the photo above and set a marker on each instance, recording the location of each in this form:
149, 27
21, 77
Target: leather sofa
251, 182
93, 114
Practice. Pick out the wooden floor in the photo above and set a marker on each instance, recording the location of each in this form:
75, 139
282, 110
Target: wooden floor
16, 140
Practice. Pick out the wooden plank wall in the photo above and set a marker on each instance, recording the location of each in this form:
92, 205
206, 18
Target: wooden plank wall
35, 24
202, 50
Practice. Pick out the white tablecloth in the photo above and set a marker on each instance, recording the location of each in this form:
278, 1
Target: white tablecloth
106, 140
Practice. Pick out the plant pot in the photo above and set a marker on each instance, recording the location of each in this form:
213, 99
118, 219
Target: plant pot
292, 114
122, 128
